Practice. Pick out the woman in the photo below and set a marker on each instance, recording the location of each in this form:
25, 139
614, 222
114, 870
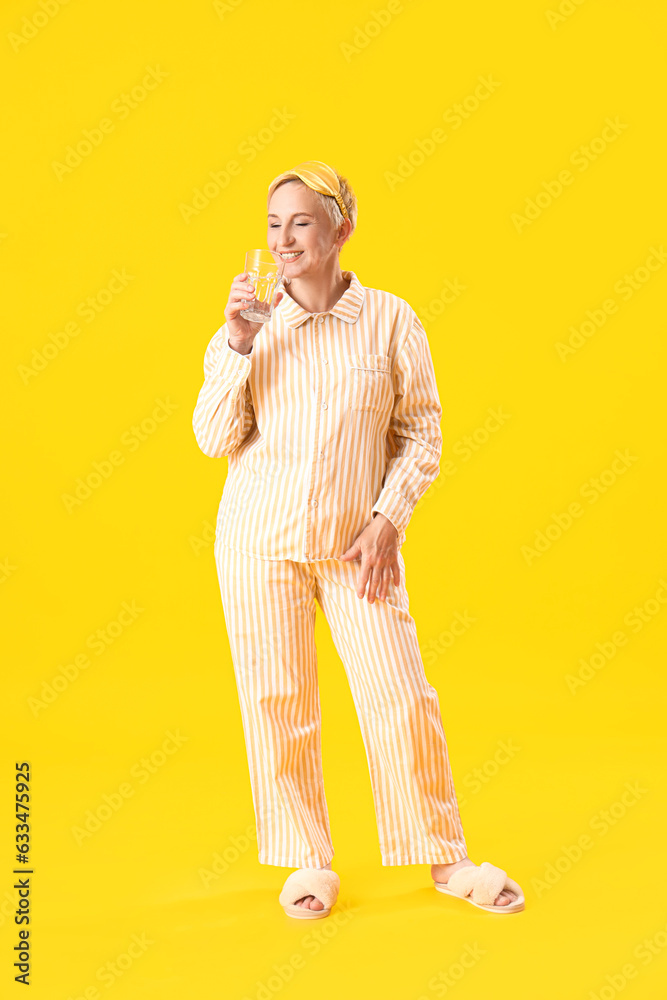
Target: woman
330, 417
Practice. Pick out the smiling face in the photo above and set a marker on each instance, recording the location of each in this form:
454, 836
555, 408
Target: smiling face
298, 223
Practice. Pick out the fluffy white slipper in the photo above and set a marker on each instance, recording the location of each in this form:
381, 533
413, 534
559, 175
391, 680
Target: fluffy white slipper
480, 884
318, 882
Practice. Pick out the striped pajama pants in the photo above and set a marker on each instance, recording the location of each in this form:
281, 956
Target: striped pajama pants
269, 609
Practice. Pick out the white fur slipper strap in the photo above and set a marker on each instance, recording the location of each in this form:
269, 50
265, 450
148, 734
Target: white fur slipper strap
482, 883
318, 882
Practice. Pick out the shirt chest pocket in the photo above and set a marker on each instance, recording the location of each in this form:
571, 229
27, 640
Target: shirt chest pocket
369, 385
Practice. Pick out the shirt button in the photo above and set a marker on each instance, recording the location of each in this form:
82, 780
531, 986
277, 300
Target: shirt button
321, 454
325, 406
324, 361
314, 503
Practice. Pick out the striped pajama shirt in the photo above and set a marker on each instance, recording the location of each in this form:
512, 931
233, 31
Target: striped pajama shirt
330, 419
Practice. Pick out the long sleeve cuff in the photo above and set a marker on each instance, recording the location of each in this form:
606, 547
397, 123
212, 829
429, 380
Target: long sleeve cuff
395, 507
233, 368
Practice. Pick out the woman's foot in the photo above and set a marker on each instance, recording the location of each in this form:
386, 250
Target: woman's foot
312, 902
441, 873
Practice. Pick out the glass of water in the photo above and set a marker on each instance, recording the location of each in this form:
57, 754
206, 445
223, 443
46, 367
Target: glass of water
266, 273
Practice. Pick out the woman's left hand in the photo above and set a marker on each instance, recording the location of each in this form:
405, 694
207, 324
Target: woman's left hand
377, 548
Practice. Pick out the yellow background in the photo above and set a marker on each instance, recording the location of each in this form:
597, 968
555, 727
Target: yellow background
361, 97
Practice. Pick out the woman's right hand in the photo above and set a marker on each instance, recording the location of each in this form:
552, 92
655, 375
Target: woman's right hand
242, 332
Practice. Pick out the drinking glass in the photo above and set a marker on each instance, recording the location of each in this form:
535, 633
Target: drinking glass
266, 273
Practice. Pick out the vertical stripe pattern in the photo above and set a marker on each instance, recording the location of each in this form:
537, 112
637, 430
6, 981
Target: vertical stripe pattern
270, 608
331, 418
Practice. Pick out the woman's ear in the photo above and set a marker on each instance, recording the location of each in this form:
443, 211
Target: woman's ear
346, 230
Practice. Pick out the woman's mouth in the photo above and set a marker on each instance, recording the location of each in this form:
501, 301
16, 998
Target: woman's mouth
292, 255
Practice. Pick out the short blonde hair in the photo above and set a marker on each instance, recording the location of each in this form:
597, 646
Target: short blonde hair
329, 203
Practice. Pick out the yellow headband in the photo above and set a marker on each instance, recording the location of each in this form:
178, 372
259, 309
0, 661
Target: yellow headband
319, 177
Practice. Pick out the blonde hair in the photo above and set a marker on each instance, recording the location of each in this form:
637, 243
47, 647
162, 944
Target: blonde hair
329, 203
